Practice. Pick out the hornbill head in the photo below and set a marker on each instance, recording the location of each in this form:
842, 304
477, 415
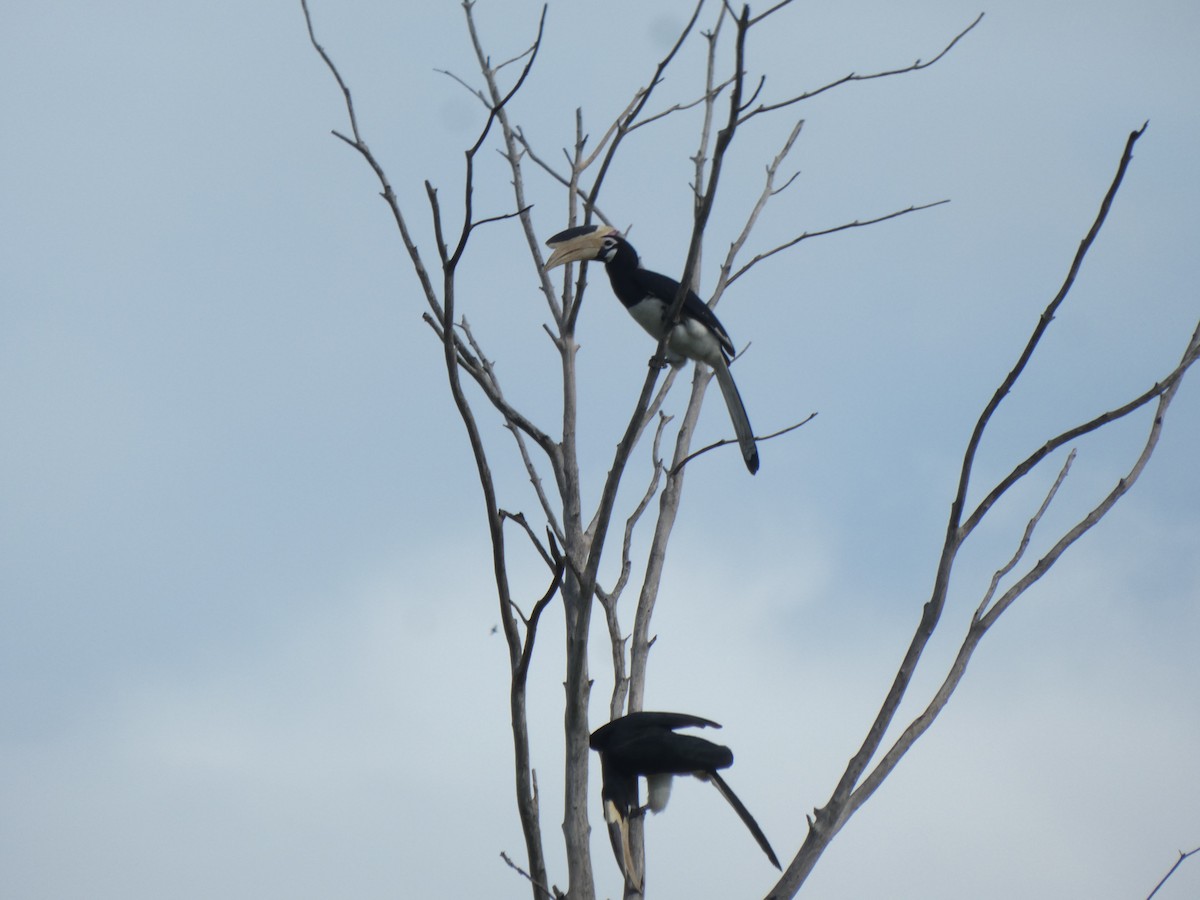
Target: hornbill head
585, 242
645, 744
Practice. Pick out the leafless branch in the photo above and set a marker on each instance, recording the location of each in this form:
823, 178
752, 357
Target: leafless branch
1034, 339
508, 62
731, 441
640, 509
473, 91
521, 672
846, 79
1023, 544
609, 600
388, 194
857, 223
713, 92
985, 617
485, 365
1171, 871
1122, 487
769, 190
512, 152
494, 111
710, 99
774, 9
564, 180
609, 144
620, 688
653, 408
1112, 415
954, 537
958, 668
538, 885
535, 479
521, 521
853, 789
481, 371
638, 104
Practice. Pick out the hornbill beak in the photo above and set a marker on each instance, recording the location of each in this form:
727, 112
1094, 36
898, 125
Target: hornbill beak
618, 836
582, 243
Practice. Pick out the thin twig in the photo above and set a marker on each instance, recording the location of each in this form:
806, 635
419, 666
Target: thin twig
519, 518
638, 104
773, 9
485, 377
535, 479
768, 191
541, 887
564, 180
713, 92
728, 441
846, 79
1171, 871
857, 223
388, 194
1119, 490
522, 669
1035, 338
512, 154
710, 100
1023, 544
494, 111
473, 91
1112, 415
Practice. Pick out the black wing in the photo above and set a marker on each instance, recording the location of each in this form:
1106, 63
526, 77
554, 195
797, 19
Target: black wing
693, 307
640, 721
646, 744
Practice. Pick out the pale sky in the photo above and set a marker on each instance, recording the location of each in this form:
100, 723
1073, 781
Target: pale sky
245, 601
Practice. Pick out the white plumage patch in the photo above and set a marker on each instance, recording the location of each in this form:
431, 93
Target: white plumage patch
689, 340
658, 792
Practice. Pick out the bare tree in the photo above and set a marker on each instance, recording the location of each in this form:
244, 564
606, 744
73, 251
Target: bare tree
572, 540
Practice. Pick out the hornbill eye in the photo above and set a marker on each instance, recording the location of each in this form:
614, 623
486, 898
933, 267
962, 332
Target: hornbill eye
608, 248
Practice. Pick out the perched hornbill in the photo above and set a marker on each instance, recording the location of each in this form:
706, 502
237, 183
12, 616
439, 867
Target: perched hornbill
645, 744
648, 297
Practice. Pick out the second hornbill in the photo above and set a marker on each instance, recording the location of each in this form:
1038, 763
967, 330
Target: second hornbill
648, 297
645, 744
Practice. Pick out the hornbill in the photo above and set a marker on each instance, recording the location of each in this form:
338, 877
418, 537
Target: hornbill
645, 744
648, 297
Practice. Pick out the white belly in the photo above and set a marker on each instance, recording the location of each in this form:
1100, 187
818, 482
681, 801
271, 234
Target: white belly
689, 339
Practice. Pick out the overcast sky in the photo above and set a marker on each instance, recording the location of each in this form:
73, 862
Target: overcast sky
246, 618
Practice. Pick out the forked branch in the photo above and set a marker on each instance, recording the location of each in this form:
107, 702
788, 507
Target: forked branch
854, 789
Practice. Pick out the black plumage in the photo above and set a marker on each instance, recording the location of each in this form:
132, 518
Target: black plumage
645, 744
648, 296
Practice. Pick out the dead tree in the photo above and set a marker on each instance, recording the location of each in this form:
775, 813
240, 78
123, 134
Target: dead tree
572, 540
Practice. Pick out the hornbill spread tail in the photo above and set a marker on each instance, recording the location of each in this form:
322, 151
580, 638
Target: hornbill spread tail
648, 297
645, 744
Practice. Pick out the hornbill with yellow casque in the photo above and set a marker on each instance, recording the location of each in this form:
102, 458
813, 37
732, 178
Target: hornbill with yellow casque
648, 297
646, 744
